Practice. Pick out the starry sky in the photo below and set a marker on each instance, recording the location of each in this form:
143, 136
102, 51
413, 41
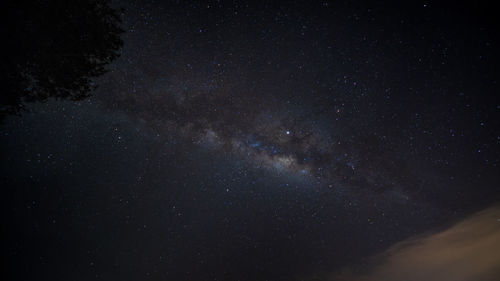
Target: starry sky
273, 140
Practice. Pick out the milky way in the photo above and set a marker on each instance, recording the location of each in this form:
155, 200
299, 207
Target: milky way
266, 130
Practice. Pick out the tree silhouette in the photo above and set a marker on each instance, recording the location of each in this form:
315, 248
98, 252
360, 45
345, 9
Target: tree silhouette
55, 48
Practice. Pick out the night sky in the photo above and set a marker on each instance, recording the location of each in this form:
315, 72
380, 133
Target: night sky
274, 140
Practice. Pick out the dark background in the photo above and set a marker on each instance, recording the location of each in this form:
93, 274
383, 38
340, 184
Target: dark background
393, 115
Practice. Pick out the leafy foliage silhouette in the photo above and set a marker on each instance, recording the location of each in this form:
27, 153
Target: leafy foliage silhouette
55, 48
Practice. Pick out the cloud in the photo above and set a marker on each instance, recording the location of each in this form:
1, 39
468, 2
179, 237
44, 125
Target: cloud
467, 251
